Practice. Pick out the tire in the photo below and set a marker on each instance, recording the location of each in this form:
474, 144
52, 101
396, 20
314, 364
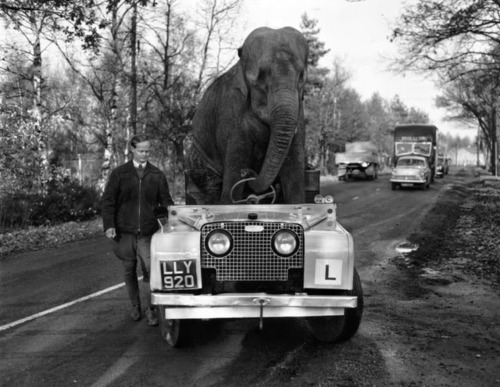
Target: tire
339, 328
326, 329
423, 186
353, 316
174, 332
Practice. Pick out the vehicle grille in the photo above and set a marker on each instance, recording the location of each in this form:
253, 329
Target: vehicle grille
252, 257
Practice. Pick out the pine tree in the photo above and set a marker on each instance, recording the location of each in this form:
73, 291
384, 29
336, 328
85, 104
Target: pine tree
316, 74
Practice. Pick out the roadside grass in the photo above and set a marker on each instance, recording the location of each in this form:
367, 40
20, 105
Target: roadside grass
460, 234
37, 238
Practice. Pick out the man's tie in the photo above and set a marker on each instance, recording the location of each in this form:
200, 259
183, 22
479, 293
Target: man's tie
140, 171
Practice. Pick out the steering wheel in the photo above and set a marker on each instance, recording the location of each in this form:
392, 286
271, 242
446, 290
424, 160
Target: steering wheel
252, 198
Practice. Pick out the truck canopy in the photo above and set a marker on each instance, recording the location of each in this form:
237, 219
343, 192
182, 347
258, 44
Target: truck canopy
355, 157
416, 133
358, 152
415, 139
360, 146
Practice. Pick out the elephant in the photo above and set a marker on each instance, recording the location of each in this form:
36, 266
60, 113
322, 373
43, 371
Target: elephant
251, 118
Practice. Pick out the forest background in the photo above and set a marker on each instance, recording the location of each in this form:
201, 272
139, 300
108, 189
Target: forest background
79, 78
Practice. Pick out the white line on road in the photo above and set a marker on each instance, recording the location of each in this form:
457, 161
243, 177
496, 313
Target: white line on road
56, 308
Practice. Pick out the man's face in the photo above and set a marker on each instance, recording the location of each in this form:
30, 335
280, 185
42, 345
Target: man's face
141, 151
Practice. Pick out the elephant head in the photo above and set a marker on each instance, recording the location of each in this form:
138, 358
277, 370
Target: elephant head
273, 72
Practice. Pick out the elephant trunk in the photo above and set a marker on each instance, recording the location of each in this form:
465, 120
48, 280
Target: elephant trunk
284, 114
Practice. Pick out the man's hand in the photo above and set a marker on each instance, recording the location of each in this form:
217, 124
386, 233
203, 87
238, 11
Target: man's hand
111, 233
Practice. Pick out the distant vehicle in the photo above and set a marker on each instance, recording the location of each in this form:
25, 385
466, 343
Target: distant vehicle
360, 160
418, 140
442, 166
411, 171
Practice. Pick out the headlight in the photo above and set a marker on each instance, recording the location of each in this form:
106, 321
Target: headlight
219, 243
365, 164
318, 199
328, 199
285, 243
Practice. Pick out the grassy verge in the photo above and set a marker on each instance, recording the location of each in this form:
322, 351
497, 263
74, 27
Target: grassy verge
36, 238
460, 234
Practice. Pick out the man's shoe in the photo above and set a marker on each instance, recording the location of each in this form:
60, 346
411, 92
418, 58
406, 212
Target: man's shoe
136, 313
151, 316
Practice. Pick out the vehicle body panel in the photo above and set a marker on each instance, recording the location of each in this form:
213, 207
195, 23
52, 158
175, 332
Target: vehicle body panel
411, 170
442, 167
178, 257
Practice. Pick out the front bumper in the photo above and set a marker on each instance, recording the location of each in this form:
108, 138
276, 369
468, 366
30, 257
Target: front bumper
250, 305
407, 180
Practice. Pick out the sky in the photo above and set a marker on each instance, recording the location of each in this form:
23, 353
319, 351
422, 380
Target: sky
358, 33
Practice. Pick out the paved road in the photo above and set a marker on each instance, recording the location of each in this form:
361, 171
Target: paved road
94, 343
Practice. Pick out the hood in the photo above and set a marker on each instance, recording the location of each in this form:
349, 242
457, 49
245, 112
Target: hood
307, 215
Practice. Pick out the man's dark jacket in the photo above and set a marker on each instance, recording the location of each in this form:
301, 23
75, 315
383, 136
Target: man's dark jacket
128, 201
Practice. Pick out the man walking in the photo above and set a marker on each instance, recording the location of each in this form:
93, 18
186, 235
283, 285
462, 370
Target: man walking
132, 193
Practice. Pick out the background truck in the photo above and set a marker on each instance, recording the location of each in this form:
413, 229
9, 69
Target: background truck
360, 159
416, 140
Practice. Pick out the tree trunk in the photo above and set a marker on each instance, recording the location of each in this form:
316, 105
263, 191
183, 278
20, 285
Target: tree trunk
133, 75
179, 156
109, 155
36, 111
494, 147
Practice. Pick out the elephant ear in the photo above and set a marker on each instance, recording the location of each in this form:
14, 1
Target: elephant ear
239, 80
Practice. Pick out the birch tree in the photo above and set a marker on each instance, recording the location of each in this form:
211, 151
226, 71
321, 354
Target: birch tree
32, 20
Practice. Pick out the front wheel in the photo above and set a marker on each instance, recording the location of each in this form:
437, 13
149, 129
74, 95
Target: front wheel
340, 328
174, 332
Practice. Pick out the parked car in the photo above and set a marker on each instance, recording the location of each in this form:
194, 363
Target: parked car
411, 171
442, 167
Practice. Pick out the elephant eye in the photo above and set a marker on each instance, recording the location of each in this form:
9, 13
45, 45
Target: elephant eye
261, 79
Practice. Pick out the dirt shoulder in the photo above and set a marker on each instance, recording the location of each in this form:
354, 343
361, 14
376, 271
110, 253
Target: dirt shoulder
451, 285
460, 237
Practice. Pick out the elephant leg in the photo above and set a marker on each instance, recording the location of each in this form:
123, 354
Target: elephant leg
239, 159
203, 185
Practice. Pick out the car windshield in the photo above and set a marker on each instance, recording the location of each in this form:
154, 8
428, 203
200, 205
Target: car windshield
411, 162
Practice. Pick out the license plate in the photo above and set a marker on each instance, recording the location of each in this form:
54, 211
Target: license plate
179, 274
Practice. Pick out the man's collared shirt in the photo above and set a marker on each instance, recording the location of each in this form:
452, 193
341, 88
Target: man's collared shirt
136, 164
